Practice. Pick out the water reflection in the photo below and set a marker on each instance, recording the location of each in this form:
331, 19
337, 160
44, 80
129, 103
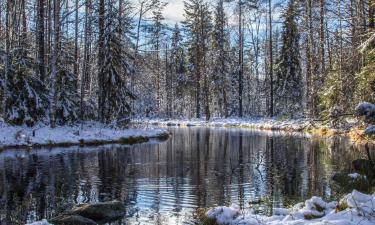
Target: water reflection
165, 183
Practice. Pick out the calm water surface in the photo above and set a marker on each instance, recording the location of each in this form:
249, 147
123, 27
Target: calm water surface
164, 183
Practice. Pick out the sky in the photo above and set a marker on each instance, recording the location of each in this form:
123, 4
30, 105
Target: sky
174, 11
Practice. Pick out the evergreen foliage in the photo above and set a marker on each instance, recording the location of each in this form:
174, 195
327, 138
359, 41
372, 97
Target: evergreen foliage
27, 101
114, 68
366, 77
289, 80
67, 104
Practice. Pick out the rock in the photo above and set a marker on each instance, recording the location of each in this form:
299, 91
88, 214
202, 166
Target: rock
364, 166
370, 131
71, 220
367, 110
100, 212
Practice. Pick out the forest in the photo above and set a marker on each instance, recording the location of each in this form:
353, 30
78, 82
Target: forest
64, 61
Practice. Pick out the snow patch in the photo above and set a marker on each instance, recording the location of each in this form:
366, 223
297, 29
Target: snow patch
354, 175
315, 211
42, 222
258, 123
87, 132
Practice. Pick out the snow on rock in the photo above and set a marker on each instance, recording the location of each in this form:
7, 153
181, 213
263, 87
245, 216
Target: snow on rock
358, 209
223, 214
354, 175
87, 132
42, 222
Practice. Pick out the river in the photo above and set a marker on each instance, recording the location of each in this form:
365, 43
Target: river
165, 183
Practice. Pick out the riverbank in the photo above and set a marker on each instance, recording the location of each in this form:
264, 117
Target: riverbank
355, 208
86, 134
353, 130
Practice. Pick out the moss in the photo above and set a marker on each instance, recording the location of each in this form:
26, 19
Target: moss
342, 206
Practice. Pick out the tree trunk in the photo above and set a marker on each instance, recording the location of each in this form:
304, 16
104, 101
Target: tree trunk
371, 12
40, 40
322, 39
86, 57
76, 62
271, 110
7, 63
240, 60
56, 34
100, 60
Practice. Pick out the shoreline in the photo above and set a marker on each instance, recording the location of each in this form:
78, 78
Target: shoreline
308, 126
88, 134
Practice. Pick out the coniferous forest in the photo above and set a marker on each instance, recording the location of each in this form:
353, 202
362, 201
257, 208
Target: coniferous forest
71, 60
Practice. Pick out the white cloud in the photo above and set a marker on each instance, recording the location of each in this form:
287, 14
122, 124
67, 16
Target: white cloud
174, 11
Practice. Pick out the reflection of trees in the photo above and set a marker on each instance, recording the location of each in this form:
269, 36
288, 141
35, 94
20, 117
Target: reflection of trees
198, 167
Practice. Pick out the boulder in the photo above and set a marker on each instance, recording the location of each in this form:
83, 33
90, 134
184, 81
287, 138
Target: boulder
71, 220
366, 110
370, 131
100, 212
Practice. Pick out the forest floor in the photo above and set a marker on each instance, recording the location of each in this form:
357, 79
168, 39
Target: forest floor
351, 128
90, 133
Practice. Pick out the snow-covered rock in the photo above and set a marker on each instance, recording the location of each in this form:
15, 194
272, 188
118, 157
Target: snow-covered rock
359, 210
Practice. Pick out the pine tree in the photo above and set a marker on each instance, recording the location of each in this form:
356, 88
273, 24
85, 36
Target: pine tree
366, 78
178, 71
289, 85
198, 27
67, 98
114, 65
25, 97
220, 49
27, 100
157, 32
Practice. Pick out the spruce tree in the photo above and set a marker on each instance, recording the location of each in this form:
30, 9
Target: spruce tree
27, 99
67, 98
289, 85
198, 27
114, 65
178, 70
220, 55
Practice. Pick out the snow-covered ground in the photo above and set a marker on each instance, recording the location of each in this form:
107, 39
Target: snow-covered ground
13, 136
259, 123
354, 209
